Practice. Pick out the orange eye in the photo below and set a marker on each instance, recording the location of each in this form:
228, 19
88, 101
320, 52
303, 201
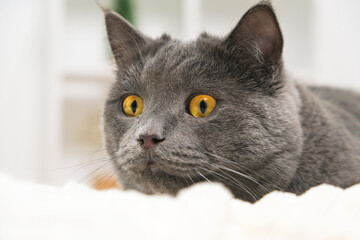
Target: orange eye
132, 106
202, 105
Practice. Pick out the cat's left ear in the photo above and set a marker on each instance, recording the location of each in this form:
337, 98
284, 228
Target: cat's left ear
259, 32
125, 41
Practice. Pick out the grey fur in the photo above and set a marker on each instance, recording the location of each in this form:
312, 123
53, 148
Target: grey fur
267, 132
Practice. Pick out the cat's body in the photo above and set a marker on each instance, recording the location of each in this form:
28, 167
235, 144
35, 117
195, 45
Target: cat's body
331, 127
264, 132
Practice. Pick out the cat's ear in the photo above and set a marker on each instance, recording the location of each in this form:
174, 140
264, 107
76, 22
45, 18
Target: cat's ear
125, 40
258, 31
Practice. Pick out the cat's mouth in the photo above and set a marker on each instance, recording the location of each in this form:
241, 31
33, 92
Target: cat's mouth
153, 173
156, 169
153, 167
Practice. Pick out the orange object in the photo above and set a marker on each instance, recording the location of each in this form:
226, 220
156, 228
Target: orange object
103, 182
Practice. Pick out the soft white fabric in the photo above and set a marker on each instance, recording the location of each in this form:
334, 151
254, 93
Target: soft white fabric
204, 211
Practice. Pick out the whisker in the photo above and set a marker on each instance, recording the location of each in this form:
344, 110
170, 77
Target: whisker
203, 176
190, 178
240, 174
187, 183
244, 174
108, 176
237, 183
86, 164
82, 180
247, 177
115, 181
90, 163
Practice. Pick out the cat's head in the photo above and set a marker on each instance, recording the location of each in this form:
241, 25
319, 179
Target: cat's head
213, 109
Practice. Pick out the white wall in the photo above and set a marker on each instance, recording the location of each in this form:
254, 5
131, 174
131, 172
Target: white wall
186, 19
21, 74
337, 43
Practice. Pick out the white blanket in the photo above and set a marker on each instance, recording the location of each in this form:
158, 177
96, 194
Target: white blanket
204, 211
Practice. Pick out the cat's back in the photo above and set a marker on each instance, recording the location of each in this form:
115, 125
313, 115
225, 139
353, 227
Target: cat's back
343, 104
331, 127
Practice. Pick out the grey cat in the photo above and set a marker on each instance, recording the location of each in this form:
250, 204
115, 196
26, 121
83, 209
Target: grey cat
222, 110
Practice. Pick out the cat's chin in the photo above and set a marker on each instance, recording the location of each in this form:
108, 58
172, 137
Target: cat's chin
155, 169
158, 180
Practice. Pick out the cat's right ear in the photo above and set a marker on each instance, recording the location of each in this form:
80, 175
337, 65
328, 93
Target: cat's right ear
125, 41
259, 32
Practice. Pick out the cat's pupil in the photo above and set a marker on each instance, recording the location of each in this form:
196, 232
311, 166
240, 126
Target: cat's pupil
134, 106
203, 106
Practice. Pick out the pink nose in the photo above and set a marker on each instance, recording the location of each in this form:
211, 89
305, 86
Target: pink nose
149, 141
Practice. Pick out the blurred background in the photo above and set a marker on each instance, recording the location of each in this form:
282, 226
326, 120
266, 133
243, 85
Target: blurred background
56, 68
